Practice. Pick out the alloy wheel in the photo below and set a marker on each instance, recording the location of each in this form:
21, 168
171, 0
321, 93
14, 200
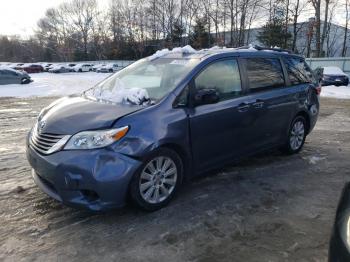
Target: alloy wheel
158, 179
297, 135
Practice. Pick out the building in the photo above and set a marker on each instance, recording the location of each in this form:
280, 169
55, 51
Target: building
305, 42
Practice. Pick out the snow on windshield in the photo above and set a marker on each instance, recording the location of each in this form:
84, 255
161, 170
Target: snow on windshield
145, 81
120, 94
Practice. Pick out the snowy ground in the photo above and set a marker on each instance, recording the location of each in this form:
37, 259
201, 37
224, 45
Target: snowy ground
48, 84
270, 207
342, 92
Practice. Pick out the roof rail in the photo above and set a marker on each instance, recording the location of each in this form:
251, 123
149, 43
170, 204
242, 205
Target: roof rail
272, 49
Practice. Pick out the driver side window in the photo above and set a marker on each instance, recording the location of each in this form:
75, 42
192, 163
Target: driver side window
223, 76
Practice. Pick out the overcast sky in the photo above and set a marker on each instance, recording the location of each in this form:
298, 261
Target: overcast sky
20, 16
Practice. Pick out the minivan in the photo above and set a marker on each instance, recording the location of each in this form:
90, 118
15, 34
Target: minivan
169, 117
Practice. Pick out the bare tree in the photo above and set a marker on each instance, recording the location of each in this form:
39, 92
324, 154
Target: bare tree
317, 7
347, 17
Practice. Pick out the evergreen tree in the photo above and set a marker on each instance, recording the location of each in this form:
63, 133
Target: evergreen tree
274, 34
177, 33
200, 37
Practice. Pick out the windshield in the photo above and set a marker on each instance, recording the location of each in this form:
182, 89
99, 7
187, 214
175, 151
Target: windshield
145, 81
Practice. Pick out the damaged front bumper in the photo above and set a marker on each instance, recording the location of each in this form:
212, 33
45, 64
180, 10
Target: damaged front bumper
93, 179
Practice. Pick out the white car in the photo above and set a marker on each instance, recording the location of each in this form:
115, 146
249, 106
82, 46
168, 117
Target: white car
97, 66
108, 68
82, 68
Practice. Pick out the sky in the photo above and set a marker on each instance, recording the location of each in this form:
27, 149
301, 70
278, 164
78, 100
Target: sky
19, 17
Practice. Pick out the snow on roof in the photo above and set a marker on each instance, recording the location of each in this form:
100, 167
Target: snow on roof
332, 70
188, 50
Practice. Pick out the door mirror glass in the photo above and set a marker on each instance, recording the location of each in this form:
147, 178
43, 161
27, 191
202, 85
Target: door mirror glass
206, 96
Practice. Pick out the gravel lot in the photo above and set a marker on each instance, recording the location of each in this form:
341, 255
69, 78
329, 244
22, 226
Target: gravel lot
267, 208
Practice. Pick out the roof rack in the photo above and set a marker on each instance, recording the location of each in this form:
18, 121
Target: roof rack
272, 49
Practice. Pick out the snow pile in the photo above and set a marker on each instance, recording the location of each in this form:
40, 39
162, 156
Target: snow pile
340, 92
121, 94
47, 84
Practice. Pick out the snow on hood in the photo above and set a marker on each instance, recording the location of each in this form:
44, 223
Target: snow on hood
121, 94
332, 70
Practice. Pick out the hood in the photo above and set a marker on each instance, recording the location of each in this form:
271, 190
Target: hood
70, 115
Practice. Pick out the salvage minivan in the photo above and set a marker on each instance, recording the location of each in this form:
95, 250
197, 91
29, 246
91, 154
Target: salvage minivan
147, 128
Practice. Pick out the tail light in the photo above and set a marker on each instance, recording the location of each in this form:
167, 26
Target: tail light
318, 90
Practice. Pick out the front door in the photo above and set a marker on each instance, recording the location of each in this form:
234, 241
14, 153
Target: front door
218, 130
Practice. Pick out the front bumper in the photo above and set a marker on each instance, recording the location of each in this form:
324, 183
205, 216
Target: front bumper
93, 179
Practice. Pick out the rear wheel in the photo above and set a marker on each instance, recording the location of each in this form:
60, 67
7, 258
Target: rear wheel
296, 136
157, 180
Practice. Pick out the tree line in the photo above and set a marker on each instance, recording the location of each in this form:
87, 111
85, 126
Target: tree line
131, 29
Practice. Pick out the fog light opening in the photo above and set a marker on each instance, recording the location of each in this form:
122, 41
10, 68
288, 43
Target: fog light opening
90, 195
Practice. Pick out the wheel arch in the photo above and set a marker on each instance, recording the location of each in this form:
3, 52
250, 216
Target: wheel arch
185, 157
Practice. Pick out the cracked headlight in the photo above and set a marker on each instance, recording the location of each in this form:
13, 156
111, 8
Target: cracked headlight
96, 139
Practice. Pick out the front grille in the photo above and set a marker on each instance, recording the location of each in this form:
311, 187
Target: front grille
43, 142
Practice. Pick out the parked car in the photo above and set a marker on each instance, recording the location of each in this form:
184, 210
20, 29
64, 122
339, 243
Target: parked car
332, 75
142, 131
32, 68
60, 69
48, 67
83, 68
96, 67
10, 76
71, 67
109, 68
339, 248
18, 66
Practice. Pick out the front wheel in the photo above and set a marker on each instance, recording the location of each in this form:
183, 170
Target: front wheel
25, 80
157, 180
296, 136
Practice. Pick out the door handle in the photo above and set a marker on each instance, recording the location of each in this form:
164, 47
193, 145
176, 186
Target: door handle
243, 107
258, 104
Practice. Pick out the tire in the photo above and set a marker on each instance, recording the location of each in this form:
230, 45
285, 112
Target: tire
146, 183
296, 136
25, 80
111, 70
80, 70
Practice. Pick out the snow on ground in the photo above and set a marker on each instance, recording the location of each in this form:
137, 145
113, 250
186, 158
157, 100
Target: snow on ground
341, 92
49, 84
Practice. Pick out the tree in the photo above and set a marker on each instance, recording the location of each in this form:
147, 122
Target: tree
273, 34
317, 7
347, 17
200, 37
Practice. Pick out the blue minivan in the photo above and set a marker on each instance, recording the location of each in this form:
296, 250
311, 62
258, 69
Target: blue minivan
147, 128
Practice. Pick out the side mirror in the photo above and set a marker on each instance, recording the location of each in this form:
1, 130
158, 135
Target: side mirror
206, 96
318, 74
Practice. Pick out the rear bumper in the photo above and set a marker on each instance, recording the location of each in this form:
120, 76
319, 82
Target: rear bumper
336, 83
92, 179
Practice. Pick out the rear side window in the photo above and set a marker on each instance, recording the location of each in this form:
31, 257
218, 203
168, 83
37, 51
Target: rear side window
223, 76
264, 73
298, 71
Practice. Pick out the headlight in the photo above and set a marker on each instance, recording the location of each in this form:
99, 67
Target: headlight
96, 139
